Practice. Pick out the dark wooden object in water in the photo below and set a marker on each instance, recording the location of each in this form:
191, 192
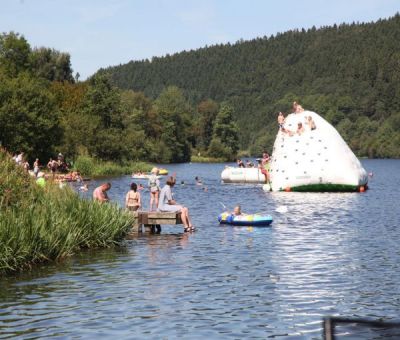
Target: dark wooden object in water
152, 220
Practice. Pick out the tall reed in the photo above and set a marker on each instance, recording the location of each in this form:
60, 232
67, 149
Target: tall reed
89, 166
47, 224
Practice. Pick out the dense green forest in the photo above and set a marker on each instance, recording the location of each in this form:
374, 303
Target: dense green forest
350, 74
44, 110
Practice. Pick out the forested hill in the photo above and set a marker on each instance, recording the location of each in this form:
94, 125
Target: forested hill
349, 73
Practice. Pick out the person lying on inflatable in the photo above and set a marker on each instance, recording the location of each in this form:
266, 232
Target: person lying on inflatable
237, 211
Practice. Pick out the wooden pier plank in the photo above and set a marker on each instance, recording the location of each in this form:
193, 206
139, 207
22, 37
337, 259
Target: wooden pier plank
150, 219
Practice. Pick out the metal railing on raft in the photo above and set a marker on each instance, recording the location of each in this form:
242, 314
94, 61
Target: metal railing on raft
350, 328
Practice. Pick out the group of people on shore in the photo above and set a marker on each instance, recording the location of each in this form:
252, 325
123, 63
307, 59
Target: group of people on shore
53, 165
301, 126
160, 198
21, 160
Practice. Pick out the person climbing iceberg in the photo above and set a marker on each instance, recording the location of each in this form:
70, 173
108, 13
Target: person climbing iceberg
310, 155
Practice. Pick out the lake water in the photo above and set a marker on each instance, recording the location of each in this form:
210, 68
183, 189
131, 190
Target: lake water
330, 254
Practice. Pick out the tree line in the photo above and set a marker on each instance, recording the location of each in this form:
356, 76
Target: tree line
44, 109
348, 73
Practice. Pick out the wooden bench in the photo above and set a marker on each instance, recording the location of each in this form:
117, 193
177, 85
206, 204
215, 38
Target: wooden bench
152, 220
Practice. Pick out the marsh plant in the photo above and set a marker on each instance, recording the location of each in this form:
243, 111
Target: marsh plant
89, 166
48, 224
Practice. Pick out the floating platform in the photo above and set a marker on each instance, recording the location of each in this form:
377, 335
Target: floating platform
242, 175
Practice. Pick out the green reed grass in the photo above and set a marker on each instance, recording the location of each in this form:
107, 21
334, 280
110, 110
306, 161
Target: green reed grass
39, 225
206, 159
89, 166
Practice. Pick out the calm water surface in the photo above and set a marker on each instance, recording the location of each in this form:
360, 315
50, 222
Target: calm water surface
329, 254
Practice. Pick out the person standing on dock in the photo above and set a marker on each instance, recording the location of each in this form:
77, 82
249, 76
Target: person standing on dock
100, 193
168, 204
132, 199
154, 185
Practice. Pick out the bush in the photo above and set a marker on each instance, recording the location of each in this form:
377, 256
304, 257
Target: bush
218, 150
85, 164
205, 159
88, 166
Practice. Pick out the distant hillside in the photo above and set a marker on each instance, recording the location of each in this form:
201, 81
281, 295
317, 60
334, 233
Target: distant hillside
348, 73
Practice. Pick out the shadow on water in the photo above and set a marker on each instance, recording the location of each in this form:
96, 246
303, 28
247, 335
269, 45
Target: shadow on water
324, 254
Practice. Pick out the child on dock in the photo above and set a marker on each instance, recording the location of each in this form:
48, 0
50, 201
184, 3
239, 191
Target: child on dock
154, 185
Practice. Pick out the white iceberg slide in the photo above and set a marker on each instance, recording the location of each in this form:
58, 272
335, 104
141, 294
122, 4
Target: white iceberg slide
315, 160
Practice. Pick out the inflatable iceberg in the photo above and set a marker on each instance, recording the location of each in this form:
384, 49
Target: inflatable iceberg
314, 159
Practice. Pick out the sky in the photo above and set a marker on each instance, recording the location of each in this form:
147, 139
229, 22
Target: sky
102, 33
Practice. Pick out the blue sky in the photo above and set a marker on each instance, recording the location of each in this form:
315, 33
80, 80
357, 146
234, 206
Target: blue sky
100, 33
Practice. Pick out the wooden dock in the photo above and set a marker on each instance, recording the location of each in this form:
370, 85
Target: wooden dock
151, 221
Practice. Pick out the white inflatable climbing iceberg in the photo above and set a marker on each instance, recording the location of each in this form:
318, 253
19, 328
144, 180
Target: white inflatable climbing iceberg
315, 160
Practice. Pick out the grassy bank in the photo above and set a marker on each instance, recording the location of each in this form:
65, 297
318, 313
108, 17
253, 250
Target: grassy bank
49, 224
91, 167
201, 159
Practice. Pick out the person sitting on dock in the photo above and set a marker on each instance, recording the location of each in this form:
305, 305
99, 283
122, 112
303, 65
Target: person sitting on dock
168, 204
100, 193
132, 199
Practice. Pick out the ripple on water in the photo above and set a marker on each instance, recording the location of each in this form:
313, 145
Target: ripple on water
329, 254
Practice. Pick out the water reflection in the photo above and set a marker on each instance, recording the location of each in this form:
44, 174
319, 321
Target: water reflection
328, 254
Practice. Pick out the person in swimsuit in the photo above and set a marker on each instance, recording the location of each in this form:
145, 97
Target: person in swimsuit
297, 108
154, 185
36, 168
132, 199
300, 128
265, 166
100, 193
281, 121
237, 210
168, 204
311, 124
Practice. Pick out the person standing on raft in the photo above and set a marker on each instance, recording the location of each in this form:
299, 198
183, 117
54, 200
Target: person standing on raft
168, 204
